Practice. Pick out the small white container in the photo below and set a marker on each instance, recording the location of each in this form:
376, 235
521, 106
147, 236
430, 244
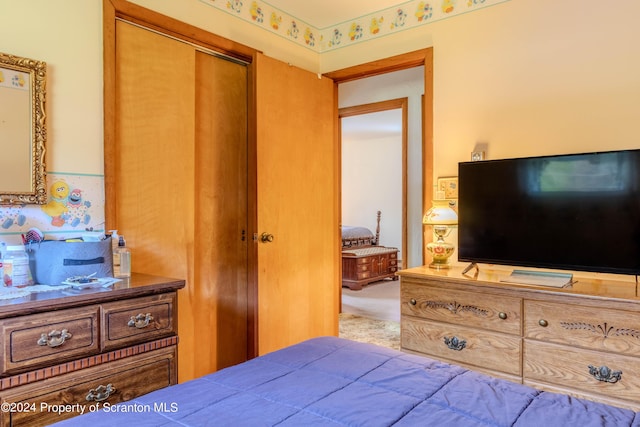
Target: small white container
16, 267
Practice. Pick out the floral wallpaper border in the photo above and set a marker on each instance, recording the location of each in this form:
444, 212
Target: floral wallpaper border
405, 15
75, 204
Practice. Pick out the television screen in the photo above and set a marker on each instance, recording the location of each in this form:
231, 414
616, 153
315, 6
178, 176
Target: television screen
570, 212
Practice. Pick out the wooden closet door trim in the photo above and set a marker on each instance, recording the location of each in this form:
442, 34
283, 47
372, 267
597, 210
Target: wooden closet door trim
147, 18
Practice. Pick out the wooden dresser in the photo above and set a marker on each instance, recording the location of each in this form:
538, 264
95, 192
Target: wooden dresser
72, 351
582, 340
361, 266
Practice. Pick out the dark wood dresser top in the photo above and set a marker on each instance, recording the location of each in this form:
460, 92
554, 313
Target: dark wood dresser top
137, 285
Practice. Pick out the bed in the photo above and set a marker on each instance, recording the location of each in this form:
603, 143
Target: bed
357, 236
364, 261
329, 381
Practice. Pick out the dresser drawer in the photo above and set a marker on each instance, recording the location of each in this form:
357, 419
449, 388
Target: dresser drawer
137, 320
363, 268
92, 388
364, 275
364, 260
601, 329
38, 339
470, 346
570, 368
485, 311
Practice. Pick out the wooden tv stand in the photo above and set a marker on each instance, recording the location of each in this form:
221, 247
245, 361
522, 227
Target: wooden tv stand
86, 348
582, 340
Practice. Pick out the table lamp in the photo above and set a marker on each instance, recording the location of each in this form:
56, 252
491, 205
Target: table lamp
441, 216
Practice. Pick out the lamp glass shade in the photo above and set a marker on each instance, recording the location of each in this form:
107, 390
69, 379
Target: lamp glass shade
440, 216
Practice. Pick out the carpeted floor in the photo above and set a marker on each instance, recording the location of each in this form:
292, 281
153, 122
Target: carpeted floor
375, 331
372, 314
379, 300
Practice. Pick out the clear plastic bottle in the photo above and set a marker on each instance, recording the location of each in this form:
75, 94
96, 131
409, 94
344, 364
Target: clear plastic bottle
124, 256
15, 264
115, 239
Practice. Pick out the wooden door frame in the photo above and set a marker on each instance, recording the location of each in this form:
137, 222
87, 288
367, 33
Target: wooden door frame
423, 57
392, 104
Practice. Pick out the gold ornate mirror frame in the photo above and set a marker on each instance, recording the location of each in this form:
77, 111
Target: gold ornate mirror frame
22, 130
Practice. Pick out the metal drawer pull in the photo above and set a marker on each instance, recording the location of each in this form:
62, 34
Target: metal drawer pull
502, 315
543, 323
413, 301
140, 321
454, 343
100, 393
54, 338
603, 373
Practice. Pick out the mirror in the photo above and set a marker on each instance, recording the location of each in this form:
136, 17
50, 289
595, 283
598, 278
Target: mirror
22, 130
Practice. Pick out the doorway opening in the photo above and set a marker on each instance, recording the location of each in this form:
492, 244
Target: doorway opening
374, 169
419, 146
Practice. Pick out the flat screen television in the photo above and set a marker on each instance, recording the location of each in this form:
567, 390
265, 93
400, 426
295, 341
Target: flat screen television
568, 212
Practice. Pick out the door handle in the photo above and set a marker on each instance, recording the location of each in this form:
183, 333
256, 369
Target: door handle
266, 238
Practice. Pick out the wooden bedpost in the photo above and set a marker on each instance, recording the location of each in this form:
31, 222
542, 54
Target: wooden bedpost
377, 242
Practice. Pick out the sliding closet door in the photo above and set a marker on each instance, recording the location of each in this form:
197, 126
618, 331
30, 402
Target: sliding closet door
221, 241
180, 194
297, 180
155, 149
155, 152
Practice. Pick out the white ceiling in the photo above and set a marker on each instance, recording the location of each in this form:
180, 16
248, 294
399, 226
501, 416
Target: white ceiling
325, 13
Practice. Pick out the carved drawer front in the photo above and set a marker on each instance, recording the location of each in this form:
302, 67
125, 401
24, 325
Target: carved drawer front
601, 329
390, 261
614, 376
138, 320
499, 352
364, 260
92, 388
363, 267
39, 339
364, 275
495, 313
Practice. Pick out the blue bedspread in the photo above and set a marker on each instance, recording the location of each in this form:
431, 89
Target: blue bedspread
335, 382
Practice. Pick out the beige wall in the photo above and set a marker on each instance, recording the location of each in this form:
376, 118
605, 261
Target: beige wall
535, 77
526, 77
67, 34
